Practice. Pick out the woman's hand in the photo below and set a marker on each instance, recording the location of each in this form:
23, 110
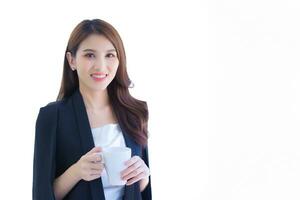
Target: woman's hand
89, 166
136, 170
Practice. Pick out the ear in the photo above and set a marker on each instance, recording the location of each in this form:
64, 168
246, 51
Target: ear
71, 61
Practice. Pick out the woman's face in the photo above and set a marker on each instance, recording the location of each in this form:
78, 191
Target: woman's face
96, 54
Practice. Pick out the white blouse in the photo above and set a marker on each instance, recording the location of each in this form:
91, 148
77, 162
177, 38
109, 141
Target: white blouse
109, 135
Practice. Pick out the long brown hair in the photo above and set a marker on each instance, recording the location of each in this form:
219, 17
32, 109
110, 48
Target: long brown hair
131, 113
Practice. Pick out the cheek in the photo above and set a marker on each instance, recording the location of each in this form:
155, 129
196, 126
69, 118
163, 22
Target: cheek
113, 68
84, 61
83, 72
84, 66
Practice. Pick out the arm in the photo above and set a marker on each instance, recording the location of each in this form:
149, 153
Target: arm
44, 154
64, 183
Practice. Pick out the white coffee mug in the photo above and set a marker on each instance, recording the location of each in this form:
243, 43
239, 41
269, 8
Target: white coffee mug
114, 159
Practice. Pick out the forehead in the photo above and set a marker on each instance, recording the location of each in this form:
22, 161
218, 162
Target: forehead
97, 42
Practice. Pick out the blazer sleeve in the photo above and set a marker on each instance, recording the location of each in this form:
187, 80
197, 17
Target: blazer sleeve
44, 154
146, 193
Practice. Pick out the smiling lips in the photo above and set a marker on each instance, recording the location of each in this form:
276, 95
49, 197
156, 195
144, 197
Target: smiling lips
98, 76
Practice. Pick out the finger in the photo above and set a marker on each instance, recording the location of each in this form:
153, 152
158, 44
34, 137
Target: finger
94, 158
95, 172
97, 156
95, 175
133, 167
95, 150
133, 173
96, 166
132, 160
135, 179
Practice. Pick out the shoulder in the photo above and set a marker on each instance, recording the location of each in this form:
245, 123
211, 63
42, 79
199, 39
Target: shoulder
53, 105
50, 109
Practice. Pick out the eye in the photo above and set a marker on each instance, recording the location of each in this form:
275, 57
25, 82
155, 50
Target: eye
110, 55
89, 55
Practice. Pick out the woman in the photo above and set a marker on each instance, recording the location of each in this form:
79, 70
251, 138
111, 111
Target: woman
93, 110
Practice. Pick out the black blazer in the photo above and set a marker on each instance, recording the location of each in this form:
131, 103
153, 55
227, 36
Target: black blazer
62, 135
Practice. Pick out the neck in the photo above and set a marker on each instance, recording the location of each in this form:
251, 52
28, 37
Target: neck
95, 100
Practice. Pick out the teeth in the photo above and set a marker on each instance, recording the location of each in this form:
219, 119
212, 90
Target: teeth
98, 76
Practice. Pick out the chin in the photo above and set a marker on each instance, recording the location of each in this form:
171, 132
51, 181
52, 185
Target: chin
99, 88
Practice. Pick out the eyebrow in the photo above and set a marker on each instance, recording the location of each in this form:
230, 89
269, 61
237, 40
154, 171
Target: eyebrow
110, 50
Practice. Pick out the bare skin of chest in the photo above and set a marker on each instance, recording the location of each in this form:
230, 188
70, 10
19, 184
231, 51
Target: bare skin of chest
101, 117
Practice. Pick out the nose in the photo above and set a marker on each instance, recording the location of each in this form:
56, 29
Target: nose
100, 64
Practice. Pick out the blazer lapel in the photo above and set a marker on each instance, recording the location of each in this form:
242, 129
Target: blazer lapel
87, 142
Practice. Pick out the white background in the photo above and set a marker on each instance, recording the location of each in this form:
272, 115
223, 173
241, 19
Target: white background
221, 79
